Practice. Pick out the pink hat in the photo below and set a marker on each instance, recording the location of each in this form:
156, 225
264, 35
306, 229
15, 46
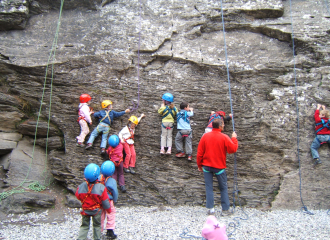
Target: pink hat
213, 230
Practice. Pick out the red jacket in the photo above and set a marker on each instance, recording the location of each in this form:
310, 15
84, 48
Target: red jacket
213, 147
95, 200
324, 131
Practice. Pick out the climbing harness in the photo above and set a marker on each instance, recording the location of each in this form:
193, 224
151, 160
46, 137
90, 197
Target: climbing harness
304, 208
167, 128
130, 137
325, 124
103, 180
217, 115
183, 115
117, 163
185, 135
97, 205
135, 106
168, 111
36, 186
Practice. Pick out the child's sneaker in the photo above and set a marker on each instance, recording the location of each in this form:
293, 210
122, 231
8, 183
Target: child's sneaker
189, 157
132, 170
103, 151
80, 144
122, 188
168, 152
162, 151
111, 234
126, 170
317, 162
180, 155
89, 145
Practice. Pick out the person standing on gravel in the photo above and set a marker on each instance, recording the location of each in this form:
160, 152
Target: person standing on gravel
211, 159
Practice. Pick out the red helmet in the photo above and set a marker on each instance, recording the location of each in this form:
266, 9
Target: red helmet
84, 98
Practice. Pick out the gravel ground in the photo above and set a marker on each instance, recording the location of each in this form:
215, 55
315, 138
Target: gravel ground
176, 223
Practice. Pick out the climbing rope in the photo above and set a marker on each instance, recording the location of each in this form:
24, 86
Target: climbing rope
235, 183
304, 208
185, 234
135, 106
36, 186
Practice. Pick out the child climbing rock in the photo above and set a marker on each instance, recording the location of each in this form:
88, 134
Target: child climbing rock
105, 117
184, 131
168, 112
115, 153
322, 129
126, 136
107, 169
215, 115
84, 118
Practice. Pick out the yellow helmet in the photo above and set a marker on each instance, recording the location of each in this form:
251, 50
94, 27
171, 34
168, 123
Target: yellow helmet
106, 103
134, 120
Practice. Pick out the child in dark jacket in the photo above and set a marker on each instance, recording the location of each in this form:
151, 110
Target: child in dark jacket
215, 115
115, 153
322, 132
106, 117
93, 196
107, 169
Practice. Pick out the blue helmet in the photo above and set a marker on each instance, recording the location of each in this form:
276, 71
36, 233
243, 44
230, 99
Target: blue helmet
113, 141
168, 97
107, 168
92, 172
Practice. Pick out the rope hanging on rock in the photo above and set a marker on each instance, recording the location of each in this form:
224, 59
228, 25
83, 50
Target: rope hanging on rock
135, 106
304, 208
36, 186
235, 184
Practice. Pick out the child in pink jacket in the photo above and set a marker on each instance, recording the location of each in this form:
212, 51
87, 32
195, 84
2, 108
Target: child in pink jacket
84, 119
115, 153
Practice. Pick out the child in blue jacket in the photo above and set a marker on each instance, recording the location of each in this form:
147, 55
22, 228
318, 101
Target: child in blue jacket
105, 117
184, 131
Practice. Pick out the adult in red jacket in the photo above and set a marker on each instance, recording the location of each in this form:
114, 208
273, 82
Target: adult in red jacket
211, 159
93, 196
322, 132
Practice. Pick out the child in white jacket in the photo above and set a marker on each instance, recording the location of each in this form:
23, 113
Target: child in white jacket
84, 119
126, 136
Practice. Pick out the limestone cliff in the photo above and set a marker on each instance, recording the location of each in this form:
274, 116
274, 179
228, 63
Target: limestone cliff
182, 52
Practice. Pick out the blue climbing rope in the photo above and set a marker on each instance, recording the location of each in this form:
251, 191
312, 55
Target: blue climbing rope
135, 106
304, 208
235, 182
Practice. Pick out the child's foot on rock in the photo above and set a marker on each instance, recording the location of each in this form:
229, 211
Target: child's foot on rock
80, 144
132, 170
126, 170
89, 145
162, 151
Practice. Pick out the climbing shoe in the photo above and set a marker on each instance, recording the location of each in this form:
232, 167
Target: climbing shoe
89, 145
132, 170
228, 212
111, 234
162, 151
103, 151
317, 162
126, 170
189, 157
168, 152
122, 188
80, 144
180, 155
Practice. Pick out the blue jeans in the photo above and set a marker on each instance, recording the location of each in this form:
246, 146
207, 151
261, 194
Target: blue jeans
222, 182
101, 128
317, 143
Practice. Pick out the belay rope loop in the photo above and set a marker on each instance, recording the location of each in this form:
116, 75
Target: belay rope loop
135, 106
36, 186
304, 208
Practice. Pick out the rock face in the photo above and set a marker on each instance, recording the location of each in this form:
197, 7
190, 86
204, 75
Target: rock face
180, 49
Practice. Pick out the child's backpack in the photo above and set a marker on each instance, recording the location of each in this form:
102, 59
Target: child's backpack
325, 124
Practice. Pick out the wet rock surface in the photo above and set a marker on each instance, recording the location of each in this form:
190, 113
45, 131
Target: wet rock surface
182, 52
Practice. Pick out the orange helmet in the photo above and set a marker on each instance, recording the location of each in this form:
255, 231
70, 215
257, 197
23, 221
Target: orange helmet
84, 98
